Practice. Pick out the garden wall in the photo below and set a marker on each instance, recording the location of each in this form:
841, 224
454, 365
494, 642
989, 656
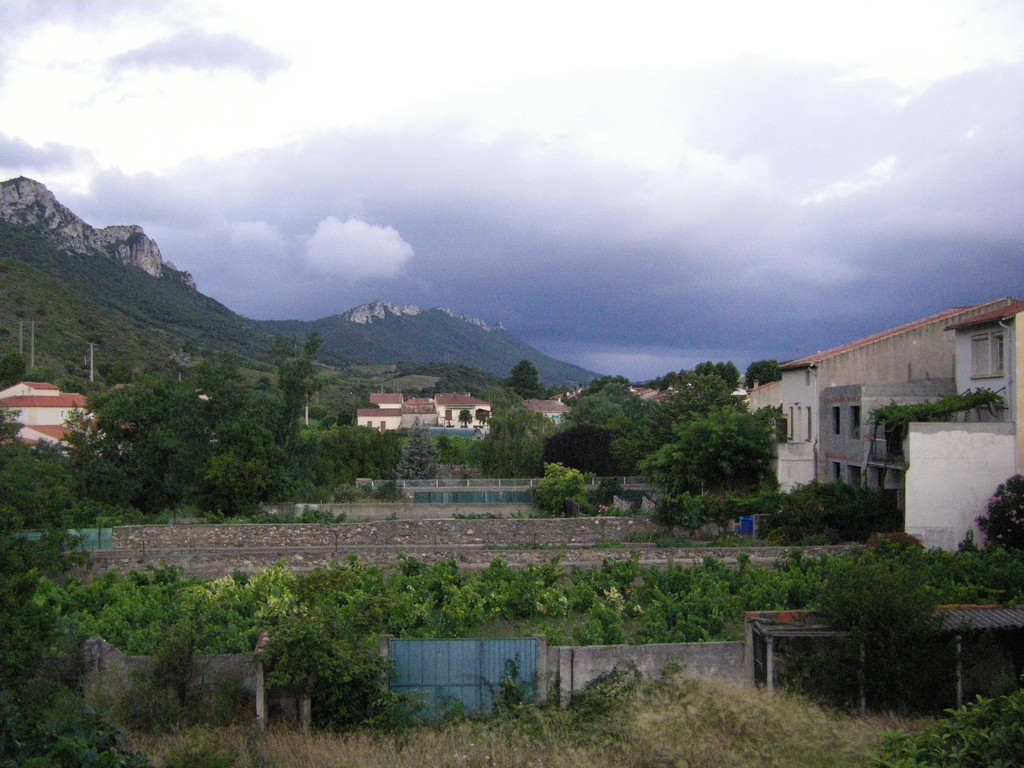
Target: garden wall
571, 669
583, 531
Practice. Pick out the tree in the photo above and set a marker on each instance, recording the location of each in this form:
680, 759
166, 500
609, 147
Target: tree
465, 417
297, 380
419, 457
695, 395
515, 442
762, 372
12, 368
727, 372
559, 486
525, 380
893, 653
728, 449
584, 447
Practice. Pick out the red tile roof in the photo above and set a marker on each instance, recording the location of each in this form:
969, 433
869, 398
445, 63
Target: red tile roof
456, 399
377, 413
386, 398
943, 317
418, 408
994, 316
546, 406
70, 400
54, 432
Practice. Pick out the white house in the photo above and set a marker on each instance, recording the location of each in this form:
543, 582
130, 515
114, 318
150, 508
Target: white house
953, 468
41, 409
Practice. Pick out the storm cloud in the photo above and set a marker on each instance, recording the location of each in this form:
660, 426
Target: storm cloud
634, 220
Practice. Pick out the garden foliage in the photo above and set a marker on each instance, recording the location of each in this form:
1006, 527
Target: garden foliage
1003, 523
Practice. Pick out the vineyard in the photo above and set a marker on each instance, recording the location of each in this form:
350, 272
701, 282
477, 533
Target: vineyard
619, 602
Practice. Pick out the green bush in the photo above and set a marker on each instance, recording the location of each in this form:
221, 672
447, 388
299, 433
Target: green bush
559, 486
989, 733
1003, 523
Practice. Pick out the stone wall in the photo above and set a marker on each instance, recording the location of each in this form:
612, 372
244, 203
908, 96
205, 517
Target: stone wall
357, 513
215, 563
583, 531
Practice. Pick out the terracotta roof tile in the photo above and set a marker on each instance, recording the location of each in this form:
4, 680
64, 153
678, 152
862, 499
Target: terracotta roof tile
994, 316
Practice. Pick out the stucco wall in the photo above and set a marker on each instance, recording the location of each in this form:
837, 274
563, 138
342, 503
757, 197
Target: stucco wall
570, 669
954, 469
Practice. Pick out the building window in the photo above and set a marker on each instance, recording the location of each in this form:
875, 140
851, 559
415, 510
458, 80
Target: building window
810, 424
837, 420
853, 474
792, 424
855, 421
987, 354
837, 471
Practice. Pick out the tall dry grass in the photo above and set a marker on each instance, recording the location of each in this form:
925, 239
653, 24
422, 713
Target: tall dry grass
677, 724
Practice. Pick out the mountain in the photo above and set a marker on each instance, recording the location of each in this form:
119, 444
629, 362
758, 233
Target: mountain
73, 285
384, 333
65, 285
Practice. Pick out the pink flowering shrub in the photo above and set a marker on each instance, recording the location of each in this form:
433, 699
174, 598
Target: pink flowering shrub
1003, 524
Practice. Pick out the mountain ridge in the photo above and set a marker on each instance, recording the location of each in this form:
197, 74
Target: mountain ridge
112, 287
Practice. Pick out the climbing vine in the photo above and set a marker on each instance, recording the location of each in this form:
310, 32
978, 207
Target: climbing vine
895, 418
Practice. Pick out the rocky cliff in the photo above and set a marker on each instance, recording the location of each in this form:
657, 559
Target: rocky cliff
378, 310
28, 203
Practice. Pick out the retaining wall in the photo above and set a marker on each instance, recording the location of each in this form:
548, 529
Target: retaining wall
399, 511
580, 531
573, 668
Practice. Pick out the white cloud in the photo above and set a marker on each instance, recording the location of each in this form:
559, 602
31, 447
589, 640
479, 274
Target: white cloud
356, 250
878, 174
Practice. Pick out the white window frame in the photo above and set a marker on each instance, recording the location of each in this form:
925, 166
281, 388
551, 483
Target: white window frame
988, 354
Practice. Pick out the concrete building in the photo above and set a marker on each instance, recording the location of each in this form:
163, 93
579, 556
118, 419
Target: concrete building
953, 468
826, 400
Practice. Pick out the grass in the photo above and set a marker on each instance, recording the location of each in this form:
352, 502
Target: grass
624, 725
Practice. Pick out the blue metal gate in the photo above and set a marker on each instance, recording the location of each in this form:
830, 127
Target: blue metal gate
447, 675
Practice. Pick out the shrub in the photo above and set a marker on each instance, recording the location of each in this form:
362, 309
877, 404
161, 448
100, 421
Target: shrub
986, 733
559, 486
1003, 523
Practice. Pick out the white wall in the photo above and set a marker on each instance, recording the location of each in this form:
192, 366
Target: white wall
954, 470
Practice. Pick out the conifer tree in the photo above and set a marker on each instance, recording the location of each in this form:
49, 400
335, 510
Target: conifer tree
419, 457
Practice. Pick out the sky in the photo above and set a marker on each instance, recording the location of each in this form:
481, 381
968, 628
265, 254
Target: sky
634, 188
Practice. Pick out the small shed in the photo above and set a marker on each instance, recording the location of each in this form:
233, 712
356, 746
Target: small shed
989, 643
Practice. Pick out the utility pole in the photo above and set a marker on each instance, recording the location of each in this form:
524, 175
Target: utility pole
91, 357
32, 346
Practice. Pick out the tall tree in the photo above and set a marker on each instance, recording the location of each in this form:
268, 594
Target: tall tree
419, 456
525, 381
297, 380
727, 449
762, 372
728, 372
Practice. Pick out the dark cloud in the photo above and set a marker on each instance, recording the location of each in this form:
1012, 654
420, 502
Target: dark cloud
19, 158
803, 211
194, 49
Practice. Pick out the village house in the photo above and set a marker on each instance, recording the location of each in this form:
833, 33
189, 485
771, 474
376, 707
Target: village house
392, 411
41, 410
555, 410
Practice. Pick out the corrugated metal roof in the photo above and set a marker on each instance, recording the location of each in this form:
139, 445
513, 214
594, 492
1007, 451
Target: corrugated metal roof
954, 618
980, 617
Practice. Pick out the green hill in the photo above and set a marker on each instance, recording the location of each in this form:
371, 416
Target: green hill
65, 286
409, 335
